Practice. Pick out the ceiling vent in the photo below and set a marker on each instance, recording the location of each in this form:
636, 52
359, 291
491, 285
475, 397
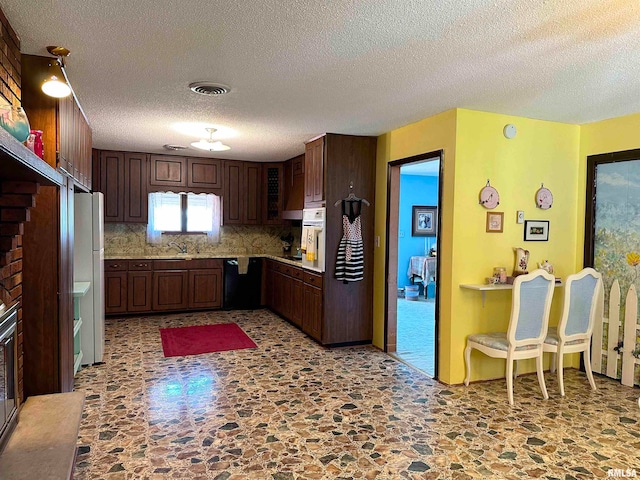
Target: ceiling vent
174, 148
208, 88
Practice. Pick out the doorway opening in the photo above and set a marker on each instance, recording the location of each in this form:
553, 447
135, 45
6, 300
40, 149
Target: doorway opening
413, 238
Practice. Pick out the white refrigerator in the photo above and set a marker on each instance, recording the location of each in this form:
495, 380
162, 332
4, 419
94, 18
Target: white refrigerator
88, 266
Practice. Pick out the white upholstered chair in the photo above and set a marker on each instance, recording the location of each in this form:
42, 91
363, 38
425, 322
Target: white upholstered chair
530, 306
573, 334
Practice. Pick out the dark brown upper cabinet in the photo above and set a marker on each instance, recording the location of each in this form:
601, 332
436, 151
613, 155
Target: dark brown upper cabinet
112, 185
293, 187
199, 175
168, 171
66, 132
135, 188
65, 124
233, 201
314, 173
123, 181
273, 193
252, 214
242, 193
204, 173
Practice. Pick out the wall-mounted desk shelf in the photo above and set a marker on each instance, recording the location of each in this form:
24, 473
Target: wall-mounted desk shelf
484, 288
80, 289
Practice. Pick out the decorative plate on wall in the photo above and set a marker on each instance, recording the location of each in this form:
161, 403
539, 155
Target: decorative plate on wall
489, 196
544, 198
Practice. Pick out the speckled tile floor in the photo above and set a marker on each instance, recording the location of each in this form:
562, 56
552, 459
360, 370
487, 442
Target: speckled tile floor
291, 409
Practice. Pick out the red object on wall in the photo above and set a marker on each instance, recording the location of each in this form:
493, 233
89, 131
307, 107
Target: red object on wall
38, 146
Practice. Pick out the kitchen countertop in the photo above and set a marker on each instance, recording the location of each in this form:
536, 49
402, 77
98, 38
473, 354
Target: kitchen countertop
188, 256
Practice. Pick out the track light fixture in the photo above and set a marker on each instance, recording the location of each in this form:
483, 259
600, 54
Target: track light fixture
56, 84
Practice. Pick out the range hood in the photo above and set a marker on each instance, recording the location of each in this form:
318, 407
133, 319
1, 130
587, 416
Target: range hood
292, 214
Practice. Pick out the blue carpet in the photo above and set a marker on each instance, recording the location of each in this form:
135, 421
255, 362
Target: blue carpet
416, 333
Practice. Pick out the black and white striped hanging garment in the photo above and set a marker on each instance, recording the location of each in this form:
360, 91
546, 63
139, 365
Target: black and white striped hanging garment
350, 259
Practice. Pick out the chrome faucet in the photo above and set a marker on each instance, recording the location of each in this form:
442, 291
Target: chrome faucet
182, 248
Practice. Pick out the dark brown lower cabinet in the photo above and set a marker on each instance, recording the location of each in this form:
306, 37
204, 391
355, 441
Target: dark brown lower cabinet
270, 292
288, 295
297, 302
143, 286
283, 286
205, 287
170, 290
312, 315
115, 292
140, 287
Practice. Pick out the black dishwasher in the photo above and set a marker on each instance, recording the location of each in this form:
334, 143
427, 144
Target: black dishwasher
242, 290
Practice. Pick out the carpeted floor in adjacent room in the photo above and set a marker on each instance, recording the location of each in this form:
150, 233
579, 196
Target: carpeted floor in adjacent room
291, 409
416, 329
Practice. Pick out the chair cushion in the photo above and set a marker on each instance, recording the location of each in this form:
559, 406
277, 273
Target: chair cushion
497, 341
553, 339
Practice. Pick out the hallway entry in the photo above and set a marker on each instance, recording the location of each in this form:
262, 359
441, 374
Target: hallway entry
412, 273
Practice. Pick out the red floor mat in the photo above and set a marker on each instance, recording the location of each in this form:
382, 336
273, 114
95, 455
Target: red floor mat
177, 342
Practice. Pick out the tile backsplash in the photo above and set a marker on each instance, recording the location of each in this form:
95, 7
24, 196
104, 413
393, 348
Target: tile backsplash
131, 239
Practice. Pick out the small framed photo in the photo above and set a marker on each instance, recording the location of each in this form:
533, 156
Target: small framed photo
424, 222
494, 222
536, 230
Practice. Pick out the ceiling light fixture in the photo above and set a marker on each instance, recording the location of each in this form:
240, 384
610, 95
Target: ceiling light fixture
209, 144
56, 84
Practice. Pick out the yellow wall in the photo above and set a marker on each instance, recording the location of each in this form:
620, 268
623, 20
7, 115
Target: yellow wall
428, 135
475, 150
613, 135
541, 152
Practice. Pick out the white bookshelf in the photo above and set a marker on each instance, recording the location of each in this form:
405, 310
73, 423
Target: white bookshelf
80, 289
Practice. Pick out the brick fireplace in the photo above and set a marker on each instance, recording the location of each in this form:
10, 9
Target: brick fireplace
15, 197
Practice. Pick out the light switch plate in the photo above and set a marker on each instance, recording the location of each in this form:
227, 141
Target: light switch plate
520, 217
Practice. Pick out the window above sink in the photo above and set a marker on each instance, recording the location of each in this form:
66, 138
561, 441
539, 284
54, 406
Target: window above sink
183, 213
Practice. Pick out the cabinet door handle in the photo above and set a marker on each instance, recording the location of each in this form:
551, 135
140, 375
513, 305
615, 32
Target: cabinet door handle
114, 265
141, 265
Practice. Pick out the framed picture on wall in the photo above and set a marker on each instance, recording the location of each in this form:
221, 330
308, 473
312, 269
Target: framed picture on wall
424, 222
494, 222
536, 230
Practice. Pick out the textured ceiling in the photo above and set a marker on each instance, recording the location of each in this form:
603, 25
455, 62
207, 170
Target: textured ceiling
300, 68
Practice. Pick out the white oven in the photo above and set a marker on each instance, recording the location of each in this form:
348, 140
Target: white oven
312, 242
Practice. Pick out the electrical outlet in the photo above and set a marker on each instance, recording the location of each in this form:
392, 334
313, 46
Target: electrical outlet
520, 217
378, 241
401, 234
